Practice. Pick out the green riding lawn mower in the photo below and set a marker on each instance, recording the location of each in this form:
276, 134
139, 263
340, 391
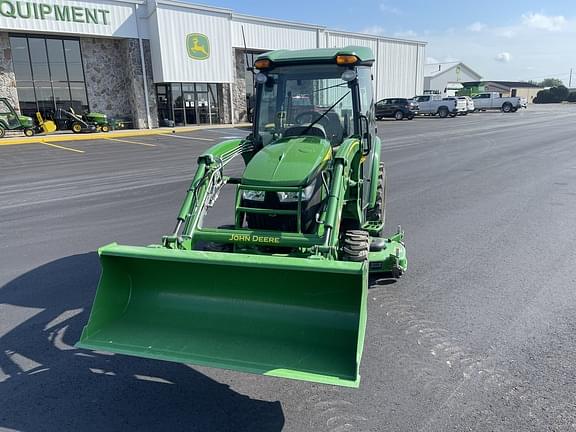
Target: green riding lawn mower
89, 122
282, 291
10, 120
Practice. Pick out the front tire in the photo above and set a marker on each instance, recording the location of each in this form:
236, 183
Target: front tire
507, 107
105, 128
76, 127
29, 132
355, 246
399, 115
2, 132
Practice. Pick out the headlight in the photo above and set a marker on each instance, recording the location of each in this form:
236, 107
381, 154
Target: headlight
293, 196
253, 195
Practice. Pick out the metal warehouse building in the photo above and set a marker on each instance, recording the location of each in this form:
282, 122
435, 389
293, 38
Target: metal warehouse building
161, 62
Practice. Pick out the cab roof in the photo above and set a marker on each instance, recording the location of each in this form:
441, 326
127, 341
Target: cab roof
318, 55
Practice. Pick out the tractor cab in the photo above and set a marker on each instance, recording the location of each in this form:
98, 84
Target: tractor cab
325, 96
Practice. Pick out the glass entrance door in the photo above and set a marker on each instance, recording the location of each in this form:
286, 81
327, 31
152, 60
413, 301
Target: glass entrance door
182, 104
190, 108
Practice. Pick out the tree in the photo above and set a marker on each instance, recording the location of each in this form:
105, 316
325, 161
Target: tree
551, 82
552, 95
559, 93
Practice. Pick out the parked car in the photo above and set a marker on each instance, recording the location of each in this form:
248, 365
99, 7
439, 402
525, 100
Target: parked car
493, 101
432, 104
461, 105
398, 108
469, 103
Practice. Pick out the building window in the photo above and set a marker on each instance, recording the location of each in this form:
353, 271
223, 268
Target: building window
49, 74
182, 104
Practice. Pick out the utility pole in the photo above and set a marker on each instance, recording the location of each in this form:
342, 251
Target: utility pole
570, 81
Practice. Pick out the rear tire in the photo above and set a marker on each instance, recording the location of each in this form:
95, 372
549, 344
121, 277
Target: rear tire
105, 128
2, 132
355, 246
399, 115
443, 112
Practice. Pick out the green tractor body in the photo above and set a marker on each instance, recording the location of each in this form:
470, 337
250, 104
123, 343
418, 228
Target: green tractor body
283, 290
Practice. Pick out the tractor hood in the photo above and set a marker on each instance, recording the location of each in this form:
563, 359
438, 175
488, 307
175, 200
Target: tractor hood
293, 161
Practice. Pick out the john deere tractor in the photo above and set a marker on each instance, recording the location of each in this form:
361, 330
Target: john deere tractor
283, 290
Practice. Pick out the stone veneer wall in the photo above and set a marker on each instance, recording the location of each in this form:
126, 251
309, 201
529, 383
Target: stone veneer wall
7, 77
239, 87
114, 79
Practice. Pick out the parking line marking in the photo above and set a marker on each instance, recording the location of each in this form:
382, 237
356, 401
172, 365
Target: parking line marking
187, 137
130, 142
62, 147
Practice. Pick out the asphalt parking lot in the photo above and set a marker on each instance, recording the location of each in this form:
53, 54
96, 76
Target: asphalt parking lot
478, 335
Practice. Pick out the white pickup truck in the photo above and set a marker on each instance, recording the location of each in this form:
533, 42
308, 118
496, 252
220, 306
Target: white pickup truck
432, 104
493, 100
461, 104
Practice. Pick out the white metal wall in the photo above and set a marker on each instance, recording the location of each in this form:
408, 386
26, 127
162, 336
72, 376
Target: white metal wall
121, 20
272, 35
400, 69
170, 57
399, 66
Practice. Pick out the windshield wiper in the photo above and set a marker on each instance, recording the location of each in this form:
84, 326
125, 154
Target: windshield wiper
332, 86
323, 114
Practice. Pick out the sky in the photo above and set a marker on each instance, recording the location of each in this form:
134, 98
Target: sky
501, 40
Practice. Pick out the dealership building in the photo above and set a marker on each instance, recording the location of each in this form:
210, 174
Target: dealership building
162, 62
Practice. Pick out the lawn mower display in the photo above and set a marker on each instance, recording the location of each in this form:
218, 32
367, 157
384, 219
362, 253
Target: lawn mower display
44, 126
67, 120
100, 120
283, 290
10, 120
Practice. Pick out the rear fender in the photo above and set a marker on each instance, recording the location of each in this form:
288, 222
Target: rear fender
377, 146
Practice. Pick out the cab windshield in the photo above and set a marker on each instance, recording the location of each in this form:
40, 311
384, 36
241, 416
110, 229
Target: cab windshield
294, 98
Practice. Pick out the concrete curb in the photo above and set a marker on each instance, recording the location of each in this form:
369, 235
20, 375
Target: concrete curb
113, 134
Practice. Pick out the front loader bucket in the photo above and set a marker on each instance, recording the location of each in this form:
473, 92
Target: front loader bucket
286, 317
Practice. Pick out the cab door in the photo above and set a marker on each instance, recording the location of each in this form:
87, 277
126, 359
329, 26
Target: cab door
367, 110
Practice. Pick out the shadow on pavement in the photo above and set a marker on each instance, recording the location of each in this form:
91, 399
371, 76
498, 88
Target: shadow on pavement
47, 384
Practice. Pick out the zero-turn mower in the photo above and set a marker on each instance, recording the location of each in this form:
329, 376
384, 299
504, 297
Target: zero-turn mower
283, 291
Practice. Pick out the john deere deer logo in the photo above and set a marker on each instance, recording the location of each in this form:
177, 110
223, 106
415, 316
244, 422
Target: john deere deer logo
198, 46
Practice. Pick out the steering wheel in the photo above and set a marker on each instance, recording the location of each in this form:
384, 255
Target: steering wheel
309, 117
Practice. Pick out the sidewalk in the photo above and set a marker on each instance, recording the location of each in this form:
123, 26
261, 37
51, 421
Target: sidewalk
61, 136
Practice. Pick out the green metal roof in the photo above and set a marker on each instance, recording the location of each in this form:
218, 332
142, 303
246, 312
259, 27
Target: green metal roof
319, 55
